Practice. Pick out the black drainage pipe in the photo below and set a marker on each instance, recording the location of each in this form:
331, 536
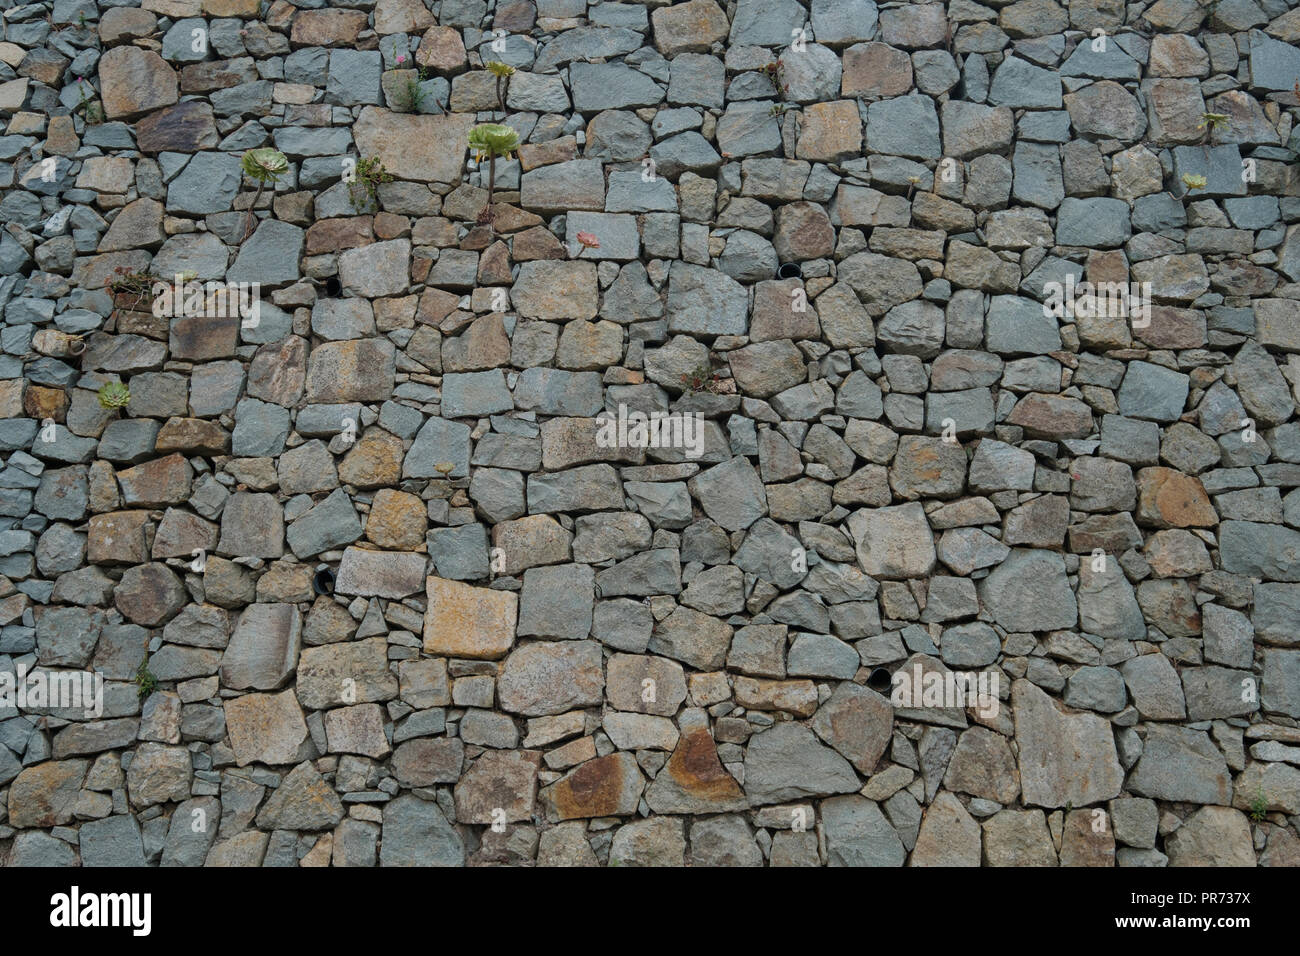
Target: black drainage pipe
323, 581
880, 680
789, 270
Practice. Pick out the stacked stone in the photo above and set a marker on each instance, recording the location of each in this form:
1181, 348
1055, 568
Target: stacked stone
366, 585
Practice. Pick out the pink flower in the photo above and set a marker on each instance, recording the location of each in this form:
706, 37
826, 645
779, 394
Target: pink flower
401, 58
588, 240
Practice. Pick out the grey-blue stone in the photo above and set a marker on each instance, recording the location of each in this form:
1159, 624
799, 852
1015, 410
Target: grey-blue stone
208, 184
1097, 223
440, 441
1152, 392
904, 126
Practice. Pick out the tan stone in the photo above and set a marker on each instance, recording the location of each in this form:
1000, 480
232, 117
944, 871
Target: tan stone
467, 621
375, 460
442, 51
688, 27
397, 520
798, 697
875, 71
265, 728
415, 146
327, 27
44, 795
831, 132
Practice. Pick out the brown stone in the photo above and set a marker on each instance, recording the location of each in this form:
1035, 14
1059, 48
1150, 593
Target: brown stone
149, 594
500, 780
265, 728
135, 81
154, 484
442, 51
192, 436
217, 75
688, 27
45, 795
467, 621
42, 402
1052, 416
333, 234
694, 780
357, 370
181, 533
202, 338
561, 150
187, 127
604, 787
875, 71
242, 9
401, 16
426, 761
375, 460
279, 371
327, 27
1087, 839
118, 538
1167, 498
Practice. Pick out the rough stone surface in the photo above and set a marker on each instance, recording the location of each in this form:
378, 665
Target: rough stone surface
803, 349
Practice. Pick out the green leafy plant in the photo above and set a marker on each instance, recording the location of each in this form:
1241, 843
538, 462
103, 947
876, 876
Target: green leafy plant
363, 190
263, 166
503, 72
128, 282
91, 110
1210, 122
703, 379
1191, 182
145, 681
114, 395
1258, 806
492, 140
775, 71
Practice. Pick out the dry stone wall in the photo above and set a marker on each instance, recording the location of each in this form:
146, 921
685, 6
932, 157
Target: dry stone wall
854, 433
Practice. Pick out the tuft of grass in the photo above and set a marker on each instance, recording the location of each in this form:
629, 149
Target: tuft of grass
1258, 806
145, 681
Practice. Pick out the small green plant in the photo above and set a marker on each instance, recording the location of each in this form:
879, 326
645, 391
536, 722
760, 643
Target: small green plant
503, 72
775, 71
126, 281
114, 395
263, 166
363, 190
1210, 122
415, 95
145, 681
1191, 182
91, 110
1258, 806
492, 140
702, 379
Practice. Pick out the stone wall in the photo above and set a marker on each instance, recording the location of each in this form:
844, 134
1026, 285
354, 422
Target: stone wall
366, 579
